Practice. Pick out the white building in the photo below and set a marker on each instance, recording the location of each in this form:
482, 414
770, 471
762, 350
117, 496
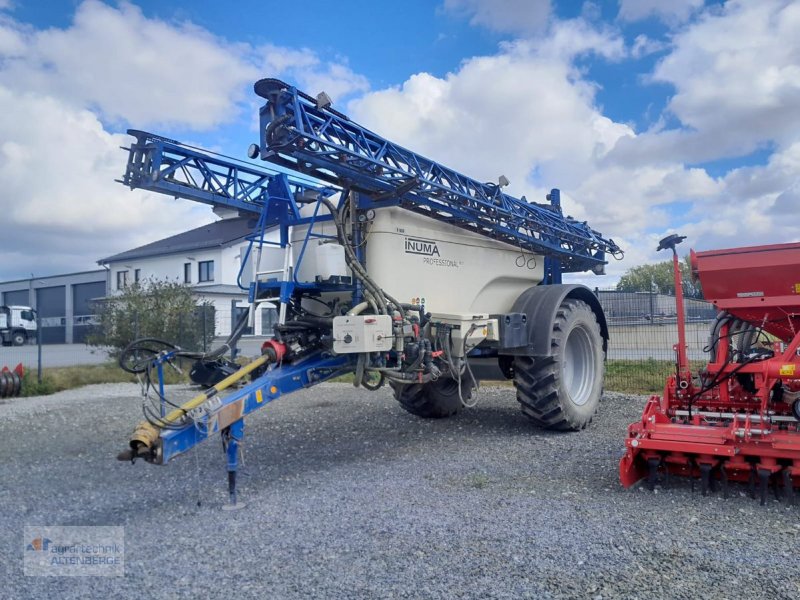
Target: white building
209, 258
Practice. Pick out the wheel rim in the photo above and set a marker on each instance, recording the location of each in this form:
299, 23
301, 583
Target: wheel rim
579, 368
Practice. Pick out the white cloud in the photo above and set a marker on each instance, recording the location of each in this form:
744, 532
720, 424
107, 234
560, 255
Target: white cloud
574, 37
505, 16
643, 46
746, 59
519, 111
307, 71
12, 38
737, 85
129, 68
132, 68
59, 89
61, 207
528, 113
279, 60
670, 11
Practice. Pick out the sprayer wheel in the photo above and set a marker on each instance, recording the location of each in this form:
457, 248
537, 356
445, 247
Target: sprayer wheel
434, 400
562, 391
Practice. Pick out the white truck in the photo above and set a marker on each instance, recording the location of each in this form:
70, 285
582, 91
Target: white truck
17, 325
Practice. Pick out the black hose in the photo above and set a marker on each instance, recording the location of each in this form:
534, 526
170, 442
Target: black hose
352, 260
273, 127
142, 346
313, 321
373, 386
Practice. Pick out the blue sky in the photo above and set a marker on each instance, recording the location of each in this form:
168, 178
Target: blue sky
651, 116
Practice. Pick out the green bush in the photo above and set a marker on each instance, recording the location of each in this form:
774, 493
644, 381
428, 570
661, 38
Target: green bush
160, 309
32, 387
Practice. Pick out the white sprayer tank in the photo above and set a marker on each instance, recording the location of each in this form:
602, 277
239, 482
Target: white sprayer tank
420, 260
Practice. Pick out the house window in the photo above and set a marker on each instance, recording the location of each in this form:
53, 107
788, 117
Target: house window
137, 275
269, 318
122, 279
187, 272
205, 270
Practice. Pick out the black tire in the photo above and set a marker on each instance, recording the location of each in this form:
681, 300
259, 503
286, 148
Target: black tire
18, 338
562, 391
434, 400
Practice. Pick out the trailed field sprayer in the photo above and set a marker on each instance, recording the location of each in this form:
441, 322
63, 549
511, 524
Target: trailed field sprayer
739, 418
384, 264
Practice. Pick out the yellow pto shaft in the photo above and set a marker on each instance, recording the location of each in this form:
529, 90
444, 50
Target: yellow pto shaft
146, 433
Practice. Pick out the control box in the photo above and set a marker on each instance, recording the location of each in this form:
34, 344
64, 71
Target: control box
466, 330
362, 333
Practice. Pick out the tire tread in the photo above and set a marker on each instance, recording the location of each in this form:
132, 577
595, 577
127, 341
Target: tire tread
537, 380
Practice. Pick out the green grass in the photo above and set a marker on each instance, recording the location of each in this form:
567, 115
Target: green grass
57, 379
641, 376
629, 376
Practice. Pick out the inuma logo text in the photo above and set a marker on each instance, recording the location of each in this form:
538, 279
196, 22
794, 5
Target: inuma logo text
424, 247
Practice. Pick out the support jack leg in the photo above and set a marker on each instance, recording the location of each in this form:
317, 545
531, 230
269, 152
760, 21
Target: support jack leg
231, 439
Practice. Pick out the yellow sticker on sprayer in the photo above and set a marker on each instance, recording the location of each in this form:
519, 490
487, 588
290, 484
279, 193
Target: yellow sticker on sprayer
259, 396
787, 370
797, 288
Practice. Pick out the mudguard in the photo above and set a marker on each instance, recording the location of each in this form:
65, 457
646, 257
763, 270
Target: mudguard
541, 303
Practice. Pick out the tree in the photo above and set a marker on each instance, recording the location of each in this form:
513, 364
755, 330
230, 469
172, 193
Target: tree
160, 309
658, 278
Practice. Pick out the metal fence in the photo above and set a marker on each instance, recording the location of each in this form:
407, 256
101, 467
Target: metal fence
642, 328
47, 348
643, 331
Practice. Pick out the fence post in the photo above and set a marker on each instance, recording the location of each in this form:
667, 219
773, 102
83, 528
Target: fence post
39, 348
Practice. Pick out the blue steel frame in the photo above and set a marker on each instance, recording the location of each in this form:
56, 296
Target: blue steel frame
162, 165
220, 413
158, 164
296, 133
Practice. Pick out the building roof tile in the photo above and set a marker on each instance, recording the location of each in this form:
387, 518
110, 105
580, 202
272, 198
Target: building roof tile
219, 234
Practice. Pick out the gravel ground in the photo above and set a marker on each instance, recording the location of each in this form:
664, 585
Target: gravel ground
350, 497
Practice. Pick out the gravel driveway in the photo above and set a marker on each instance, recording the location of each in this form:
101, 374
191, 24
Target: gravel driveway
348, 496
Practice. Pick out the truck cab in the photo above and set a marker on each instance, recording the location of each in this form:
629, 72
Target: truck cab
17, 325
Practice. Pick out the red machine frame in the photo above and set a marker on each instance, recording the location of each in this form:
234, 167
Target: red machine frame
740, 419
